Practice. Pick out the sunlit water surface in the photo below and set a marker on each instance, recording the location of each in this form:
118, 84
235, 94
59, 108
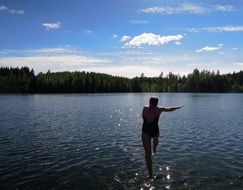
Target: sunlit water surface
93, 141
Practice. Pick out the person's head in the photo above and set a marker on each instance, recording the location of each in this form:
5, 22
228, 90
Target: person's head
153, 101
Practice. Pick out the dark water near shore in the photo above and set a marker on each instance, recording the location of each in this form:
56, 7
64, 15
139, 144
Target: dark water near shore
93, 141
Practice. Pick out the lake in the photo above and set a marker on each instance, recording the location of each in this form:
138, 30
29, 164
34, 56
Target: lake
93, 141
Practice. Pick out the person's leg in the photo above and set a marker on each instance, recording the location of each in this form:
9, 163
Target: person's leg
147, 148
155, 143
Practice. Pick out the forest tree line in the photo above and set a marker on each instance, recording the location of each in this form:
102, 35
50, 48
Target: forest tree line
24, 80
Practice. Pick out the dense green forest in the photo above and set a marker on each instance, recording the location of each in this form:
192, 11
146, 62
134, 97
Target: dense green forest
24, 80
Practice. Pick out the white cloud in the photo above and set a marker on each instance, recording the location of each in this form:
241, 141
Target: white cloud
52, 51
126, 70
221, 53
234, 48
152, 40
201, 64
87, 31
187, 8
114, 36
125, 38
19, 12
155, 10
207, 48
126, 62
11, 11
221, 45
238, 63
192, 30
182, 8
215, 29
54, 63
52, 26
55, 59
224, 8
177, 43
182, 63
225, 29
2, 8
133, 62
139, 22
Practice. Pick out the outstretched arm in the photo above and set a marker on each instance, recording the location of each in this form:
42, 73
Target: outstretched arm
169, 109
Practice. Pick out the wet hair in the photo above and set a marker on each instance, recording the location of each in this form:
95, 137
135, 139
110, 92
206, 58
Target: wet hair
153, 101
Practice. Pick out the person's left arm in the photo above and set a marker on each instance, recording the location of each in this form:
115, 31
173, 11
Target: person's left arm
169, 109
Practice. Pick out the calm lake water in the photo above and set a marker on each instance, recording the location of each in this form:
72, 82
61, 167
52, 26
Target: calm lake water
93, 141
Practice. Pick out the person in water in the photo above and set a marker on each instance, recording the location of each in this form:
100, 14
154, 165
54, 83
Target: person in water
150, 129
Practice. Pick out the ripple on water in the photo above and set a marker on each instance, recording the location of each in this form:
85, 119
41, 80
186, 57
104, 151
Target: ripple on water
61, 142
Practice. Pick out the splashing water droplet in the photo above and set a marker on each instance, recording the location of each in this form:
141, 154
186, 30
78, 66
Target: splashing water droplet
167, 187
146, 185
117, 179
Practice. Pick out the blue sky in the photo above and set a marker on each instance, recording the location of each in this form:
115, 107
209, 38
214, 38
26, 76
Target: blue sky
122, 37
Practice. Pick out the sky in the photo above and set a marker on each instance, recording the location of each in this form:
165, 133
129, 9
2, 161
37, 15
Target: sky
122, 37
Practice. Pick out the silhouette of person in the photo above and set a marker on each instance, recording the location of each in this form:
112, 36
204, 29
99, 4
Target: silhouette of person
150, 129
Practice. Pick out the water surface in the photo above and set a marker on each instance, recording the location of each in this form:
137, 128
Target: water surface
93, 141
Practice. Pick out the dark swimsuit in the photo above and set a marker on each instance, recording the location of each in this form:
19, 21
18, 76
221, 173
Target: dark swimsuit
151, 128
